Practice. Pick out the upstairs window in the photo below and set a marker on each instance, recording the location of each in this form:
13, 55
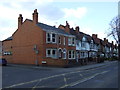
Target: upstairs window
59, 41
82, 44
48, 37
53, 38
71, 41
64, 41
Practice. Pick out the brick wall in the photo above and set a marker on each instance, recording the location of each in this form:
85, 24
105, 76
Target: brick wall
7, 47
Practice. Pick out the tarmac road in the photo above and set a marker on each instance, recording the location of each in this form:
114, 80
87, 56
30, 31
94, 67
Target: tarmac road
104, 75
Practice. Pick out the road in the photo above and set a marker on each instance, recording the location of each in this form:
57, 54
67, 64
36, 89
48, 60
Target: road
105, 76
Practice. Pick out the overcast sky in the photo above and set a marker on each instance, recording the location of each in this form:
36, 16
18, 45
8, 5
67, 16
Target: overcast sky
93, 17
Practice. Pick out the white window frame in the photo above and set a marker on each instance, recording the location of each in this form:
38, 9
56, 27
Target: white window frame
69, 41
51, 37
72, 54
54, 56
51, 53
73, 41
59, 39
47, 53
47, 37
64, 40
59, 53
64, 53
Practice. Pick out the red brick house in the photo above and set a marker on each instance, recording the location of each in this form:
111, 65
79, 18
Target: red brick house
37, 43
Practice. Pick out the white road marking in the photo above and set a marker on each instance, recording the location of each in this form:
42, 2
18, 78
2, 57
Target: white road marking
83, 80
36, 85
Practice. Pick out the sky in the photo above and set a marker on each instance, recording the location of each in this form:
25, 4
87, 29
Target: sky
92, 16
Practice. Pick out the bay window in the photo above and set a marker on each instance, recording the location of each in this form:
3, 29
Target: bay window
71, 54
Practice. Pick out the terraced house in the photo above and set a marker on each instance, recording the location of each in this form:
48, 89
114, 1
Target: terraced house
41, 44
91, 48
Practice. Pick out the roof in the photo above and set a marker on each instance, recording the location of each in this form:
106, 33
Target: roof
49, 28
96, 40
9, 38
80, 35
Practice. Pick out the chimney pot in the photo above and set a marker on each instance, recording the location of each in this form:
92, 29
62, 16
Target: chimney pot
94, 35
20, 20
77, 29
112, 42
67, 27
35, 16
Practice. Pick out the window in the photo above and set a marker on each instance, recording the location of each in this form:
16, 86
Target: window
69, 41
59, 41
82, 54
54, 55
91, 44
7, 53
64, 41
53, 38
82, 44
48, 37
48, 53
71, 54
60, 53
64, 53
73, 41
51, 53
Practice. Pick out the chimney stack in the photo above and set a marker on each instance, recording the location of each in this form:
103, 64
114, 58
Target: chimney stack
104, 39
67, 24
94, 36
20, 20
112, 42
35, 16
67, 27
77, 29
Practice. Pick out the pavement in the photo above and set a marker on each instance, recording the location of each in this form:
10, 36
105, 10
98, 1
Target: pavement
84, 67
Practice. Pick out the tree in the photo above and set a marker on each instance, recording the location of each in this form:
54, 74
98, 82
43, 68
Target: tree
115, 31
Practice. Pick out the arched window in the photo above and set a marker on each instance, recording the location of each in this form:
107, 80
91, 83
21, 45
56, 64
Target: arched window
59, 53
64, 53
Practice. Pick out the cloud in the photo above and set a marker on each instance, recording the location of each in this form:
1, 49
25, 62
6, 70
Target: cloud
51, 12
75, 13
10, 11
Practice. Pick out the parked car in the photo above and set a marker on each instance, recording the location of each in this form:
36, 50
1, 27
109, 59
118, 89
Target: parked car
3, 61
